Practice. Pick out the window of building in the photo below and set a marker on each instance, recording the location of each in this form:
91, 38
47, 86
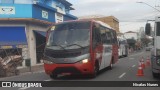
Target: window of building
60, 9
59, 17
67, 10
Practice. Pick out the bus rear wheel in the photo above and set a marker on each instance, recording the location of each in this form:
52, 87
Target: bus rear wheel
111, 65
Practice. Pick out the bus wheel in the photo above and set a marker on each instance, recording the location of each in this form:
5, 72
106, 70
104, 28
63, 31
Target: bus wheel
125, 55
155, 75
53, 76
111, 65
96, 70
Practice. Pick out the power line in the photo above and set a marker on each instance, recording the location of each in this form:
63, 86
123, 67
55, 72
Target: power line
149, 6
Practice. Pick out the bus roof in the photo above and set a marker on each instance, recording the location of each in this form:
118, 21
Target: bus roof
85, 20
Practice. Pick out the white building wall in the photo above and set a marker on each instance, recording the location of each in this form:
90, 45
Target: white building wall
31, 44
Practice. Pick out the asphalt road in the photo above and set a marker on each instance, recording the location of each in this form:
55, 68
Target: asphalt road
124, 70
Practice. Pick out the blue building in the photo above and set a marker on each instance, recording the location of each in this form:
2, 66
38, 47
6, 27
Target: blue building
23, 24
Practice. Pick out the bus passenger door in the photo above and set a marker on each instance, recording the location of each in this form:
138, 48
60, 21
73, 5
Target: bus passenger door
107, 48
107, 54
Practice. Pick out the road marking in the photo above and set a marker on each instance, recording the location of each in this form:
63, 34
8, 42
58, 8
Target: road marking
122, 75
133, 66
48, 80
23, 88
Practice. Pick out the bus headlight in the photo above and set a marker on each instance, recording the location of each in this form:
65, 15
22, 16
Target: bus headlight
85, 61
158, 52
47, 62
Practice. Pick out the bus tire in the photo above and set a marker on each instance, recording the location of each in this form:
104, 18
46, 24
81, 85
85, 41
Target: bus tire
96, 70
111, 65
126, 54
53, 76
155, 75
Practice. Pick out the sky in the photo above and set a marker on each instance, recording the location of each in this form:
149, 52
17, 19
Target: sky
131, 15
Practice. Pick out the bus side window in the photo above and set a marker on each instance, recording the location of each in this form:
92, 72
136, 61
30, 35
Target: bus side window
96, 35
115, 37
119, 43
109, 38
103, 34
114, 40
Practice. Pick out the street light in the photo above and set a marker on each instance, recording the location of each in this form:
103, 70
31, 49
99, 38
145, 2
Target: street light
149, 5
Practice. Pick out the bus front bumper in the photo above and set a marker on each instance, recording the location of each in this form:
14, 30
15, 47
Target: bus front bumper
76, 68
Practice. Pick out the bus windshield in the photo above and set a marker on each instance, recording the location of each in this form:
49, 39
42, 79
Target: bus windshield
71, 35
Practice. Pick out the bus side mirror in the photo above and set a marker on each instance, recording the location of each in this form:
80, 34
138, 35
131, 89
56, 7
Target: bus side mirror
148, 29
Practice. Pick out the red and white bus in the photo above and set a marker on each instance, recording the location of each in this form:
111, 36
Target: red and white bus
80, 47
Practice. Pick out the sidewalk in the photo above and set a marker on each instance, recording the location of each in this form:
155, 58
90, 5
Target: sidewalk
34, 69
26, 70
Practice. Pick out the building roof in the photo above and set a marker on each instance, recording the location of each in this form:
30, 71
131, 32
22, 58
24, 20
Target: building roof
98, 17
65, 2
42, 22
91, 16
113, 18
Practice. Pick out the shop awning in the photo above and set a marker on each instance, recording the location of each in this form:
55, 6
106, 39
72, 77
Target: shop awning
43, 33
12, 37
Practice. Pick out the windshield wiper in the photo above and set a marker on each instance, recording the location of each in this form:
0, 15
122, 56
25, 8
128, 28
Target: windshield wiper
55, 44
75, 44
